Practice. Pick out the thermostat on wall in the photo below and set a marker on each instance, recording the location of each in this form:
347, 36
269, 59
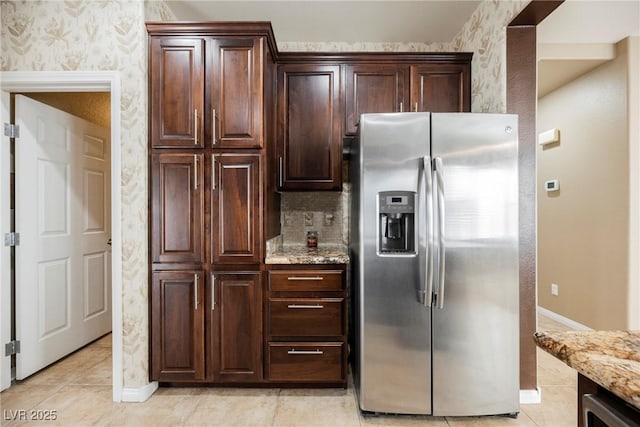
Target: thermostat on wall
552, 185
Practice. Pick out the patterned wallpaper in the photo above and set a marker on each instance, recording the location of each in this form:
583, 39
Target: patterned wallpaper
101, 35
110, 35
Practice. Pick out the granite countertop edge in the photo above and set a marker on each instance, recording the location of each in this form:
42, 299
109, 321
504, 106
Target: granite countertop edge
299, 254
609, 358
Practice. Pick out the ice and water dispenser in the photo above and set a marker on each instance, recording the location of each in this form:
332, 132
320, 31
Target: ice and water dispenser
396, 222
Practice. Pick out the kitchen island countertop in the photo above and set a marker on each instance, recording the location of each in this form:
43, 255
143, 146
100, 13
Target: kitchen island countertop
609, 358
300, 254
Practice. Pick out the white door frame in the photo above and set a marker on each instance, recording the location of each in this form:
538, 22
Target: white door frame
65, 81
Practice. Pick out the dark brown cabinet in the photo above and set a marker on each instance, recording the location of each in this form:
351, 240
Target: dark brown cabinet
176, 92
236, 326
178, 340
373, 88
212, 204
386, 88
309, 127
236, 216
306, 326
235, 86
177, 208
220, 105
441, 88
233, 121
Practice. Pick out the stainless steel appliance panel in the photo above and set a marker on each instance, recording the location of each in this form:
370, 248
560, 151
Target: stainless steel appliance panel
393, 360
475, 333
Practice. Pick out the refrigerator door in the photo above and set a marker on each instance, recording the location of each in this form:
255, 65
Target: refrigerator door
475, 333
393, 359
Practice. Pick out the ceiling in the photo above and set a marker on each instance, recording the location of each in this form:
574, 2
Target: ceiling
578, 36
340, 21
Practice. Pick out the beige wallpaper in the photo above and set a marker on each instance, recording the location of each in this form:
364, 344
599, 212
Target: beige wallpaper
101, 35
583, 228
110, 35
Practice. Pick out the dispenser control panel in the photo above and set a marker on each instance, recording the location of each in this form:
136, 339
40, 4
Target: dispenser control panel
396, 203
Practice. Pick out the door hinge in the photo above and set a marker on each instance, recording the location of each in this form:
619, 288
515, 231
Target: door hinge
11, 348
11, 239
11, 130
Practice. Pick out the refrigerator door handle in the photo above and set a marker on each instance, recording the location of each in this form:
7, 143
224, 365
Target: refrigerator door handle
439, 183
427, 292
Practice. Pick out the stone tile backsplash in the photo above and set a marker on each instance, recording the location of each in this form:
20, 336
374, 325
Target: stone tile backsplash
324, 212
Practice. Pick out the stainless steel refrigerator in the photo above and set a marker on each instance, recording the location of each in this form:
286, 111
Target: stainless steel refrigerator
434, 246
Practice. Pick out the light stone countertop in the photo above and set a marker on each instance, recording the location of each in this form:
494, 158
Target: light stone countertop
300, 254
609, 358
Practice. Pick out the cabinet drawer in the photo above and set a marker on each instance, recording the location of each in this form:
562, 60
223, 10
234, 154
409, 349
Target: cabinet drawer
312, 317
305, 280
305, 361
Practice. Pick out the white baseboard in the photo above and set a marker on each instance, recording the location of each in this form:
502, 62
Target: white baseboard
528, 397
564, 320
139, 394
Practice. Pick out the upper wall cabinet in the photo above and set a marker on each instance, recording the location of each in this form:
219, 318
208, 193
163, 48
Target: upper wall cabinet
309, 127
441, 88
406, 83
373, 88
177, 92
235, 88
220, 105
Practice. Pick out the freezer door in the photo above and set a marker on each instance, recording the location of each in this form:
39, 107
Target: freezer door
475, 333
393, 357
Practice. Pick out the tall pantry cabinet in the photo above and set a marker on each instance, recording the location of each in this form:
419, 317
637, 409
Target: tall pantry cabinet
212, 203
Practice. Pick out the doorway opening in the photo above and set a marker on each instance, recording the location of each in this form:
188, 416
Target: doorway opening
62, 82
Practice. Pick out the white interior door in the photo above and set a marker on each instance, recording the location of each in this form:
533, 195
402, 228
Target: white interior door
63, 262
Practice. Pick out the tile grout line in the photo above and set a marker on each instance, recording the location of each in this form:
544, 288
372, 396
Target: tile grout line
275, 411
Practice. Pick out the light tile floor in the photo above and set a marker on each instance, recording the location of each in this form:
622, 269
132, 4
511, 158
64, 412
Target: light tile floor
78, 388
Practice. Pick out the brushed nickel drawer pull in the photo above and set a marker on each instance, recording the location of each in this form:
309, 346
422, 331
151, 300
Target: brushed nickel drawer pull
305, 278
195, 126
195, 171
196, 278
294, 351
213, 130
305, 306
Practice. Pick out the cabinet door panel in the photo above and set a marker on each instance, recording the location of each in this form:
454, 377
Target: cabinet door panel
236, 214
177, 207
177, 325
235, 85
309, 127
374, 89
177, 92
236, 332
441, 88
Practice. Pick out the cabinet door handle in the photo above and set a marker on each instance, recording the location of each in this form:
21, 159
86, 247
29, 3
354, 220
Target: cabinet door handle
195, 126
305, 306
213, 126
213, 172
195, 171
280, 171
305, 278
196, 278
213, 291
294, 351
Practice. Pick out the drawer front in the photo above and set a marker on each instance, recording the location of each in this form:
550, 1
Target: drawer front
306, 317
305, 280
305, 362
